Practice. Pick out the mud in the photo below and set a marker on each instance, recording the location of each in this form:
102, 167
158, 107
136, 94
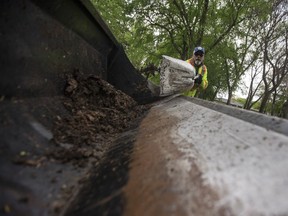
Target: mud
98, 113
52, 145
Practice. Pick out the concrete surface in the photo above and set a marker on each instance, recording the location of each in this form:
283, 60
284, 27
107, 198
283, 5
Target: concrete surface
191, 160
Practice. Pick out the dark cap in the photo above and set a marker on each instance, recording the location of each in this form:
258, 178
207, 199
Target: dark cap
199, 50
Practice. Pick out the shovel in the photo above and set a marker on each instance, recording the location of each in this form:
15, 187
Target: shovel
176, 76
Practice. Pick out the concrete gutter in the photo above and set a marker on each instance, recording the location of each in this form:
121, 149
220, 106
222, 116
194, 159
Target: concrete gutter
273, 123
191, 160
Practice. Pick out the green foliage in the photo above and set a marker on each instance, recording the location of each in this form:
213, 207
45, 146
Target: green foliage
227, 29
256, 106
149, 29
240, 100
155, 78
115, 16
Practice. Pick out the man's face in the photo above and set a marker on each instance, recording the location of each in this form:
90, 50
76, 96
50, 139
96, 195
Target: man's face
198, 58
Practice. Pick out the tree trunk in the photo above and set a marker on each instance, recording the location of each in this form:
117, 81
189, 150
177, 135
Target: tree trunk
285, 110
273, 103
229, 97
247, 102
264, 102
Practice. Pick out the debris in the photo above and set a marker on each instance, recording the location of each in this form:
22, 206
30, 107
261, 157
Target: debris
98, 113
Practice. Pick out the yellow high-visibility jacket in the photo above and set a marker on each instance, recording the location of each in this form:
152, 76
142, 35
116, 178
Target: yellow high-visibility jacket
202, 70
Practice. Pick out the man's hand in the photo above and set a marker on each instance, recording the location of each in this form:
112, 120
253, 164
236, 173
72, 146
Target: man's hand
198, 80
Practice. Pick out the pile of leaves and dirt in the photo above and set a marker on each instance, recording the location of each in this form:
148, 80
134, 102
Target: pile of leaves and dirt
98, 113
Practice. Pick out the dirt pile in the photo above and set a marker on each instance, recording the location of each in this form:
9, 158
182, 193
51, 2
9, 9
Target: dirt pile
97, 113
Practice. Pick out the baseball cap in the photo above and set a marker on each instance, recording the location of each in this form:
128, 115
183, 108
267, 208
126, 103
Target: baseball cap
199, 50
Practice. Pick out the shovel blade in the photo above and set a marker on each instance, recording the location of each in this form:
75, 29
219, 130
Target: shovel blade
176, 76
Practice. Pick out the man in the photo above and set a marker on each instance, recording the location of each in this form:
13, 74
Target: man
197, 61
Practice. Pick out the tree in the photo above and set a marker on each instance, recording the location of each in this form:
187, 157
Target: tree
253, 89
227, 29
238, 60
275, 53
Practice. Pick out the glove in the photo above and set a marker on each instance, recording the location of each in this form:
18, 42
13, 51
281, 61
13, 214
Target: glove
198, 80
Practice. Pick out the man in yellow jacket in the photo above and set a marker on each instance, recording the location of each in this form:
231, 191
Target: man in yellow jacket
197, 61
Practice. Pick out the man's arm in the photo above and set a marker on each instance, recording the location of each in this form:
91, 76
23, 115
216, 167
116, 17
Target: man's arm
204, 83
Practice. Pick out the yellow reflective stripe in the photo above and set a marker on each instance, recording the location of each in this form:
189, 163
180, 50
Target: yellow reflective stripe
200, 70
205, 83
